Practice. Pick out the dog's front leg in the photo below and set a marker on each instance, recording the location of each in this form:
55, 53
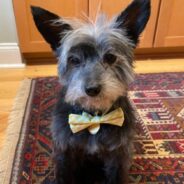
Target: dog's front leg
116, 171
63, 169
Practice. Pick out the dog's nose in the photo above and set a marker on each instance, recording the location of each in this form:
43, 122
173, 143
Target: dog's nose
93, 90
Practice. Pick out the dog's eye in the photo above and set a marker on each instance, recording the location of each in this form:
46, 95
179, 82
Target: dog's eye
109, 58
74, 60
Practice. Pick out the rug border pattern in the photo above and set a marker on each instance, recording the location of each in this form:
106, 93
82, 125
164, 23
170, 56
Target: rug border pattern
12, 136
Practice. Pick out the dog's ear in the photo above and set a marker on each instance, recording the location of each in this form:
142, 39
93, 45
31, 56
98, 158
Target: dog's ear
134, 19
51, 26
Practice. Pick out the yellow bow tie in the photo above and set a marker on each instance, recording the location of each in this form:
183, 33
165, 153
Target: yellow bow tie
81, 122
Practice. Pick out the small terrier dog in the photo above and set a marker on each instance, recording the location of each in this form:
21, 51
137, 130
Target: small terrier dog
95, 67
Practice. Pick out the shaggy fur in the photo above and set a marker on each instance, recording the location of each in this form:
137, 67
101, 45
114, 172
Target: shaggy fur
103, 158
95, 67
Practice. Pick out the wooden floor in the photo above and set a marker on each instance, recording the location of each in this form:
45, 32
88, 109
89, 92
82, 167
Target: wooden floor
10, 80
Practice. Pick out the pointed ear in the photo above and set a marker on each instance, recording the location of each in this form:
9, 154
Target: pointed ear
49, 26
134, 19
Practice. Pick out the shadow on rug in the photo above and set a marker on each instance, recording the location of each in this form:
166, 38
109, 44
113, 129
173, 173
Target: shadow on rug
158, 146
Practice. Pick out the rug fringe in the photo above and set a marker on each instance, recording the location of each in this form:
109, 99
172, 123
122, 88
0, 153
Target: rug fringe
13, 131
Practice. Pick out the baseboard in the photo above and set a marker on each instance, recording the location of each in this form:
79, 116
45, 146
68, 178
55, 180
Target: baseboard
10, 55
21, 65
140, 54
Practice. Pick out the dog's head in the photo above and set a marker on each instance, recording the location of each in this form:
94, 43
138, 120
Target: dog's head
95, 59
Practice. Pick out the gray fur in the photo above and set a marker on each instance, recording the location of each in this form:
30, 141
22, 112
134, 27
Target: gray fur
103, 37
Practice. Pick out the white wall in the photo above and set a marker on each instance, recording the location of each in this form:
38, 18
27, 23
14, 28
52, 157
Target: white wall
7, 22
9, 49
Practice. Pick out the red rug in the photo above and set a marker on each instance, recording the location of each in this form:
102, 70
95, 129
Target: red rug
159, 141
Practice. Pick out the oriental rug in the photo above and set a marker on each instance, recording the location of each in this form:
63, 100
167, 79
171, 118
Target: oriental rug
158, 100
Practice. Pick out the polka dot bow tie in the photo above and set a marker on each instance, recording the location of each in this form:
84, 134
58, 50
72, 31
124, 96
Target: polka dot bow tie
81, 122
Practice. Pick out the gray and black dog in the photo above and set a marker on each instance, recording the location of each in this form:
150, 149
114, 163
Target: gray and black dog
95, 66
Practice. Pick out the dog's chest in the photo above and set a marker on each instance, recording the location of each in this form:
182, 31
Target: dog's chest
103, 141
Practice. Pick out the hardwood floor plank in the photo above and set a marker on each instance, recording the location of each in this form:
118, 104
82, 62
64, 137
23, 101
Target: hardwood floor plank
158, 66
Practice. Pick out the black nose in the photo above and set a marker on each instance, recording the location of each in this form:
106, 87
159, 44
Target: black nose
93, 90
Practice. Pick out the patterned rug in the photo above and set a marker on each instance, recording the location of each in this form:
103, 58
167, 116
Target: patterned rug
159, 141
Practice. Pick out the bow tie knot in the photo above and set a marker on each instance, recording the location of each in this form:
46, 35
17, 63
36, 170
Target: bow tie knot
81, 122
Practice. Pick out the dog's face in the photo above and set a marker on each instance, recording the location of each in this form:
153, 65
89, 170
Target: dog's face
95, 59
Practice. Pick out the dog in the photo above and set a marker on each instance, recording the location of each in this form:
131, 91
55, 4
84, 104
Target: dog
95, 67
